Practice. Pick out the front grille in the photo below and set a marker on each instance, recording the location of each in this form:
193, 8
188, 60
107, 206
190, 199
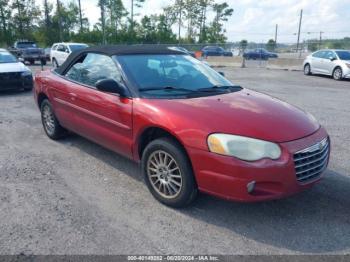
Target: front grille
312, 161
10, 76
10, 80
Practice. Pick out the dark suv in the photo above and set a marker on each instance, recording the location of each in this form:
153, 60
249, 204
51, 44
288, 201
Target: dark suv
28, 51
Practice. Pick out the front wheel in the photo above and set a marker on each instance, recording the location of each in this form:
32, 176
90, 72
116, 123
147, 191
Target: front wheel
338, 74
52, 127
168, 173
307, 70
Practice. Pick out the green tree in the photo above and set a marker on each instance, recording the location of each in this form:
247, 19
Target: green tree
204, 4
216, 31
25, 18
5, 14
134, 4
271, 45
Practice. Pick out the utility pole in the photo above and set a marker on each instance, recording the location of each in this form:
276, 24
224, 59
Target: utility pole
80, 16
320, 43
276, 34
59, 19
301, 17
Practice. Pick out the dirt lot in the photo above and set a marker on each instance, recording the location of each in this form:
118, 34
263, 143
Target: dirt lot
75, 197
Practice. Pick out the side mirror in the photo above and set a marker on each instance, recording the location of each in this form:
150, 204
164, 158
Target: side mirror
111, 86
21, 59
332, 58
222, 73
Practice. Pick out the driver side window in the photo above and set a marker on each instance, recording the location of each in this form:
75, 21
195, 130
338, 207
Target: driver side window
92, 68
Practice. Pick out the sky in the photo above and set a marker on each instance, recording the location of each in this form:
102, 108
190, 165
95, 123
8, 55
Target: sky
255, 20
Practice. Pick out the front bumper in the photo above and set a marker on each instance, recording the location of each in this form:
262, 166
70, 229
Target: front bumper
346, 73
15, 81
228, 177
28, 57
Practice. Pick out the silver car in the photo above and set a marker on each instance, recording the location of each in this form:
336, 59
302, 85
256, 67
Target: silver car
335, 63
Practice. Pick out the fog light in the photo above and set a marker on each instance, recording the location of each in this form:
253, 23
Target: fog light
250, 186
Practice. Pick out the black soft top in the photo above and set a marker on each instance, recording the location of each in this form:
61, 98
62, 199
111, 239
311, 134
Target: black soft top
111, 50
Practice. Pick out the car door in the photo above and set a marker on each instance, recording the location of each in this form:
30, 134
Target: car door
316, 61
65, 53
58, 54
327, 64
99, 116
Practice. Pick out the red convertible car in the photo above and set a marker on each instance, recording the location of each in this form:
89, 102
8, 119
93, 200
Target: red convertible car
189, 127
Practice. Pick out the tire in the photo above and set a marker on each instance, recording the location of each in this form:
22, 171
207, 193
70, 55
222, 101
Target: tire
54, 63
172, 183
32, 62
52, 127
337, 74
307, 70
43, 61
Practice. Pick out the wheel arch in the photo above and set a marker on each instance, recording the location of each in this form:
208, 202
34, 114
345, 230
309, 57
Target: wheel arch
41, 97
151, 133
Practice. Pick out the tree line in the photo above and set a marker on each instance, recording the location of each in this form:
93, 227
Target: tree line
183, 21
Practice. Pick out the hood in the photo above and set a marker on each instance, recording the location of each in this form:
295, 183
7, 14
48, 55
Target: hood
13, 67
245, 113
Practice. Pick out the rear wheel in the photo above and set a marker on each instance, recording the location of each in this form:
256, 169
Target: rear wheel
338, 74
168, 173
52, 127
307, 69
43, 61
32, 62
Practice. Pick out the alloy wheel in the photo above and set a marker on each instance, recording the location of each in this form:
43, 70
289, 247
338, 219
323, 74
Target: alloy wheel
307, 70
164, 174
337, 74
48, 120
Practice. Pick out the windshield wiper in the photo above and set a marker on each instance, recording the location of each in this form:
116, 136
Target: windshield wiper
165, 88
218, 88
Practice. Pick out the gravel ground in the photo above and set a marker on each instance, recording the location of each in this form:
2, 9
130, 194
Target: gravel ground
75, 197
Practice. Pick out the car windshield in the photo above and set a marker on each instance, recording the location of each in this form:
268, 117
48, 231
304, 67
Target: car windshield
7, 58
343, 55
77, 47
26, 45
161, 75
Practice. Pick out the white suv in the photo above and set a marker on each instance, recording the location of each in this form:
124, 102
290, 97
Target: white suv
60, 52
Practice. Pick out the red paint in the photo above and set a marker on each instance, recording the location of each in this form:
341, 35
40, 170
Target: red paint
117, 123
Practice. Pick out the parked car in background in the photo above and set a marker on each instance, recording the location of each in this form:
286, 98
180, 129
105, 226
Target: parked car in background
28, 51
215, 51
180, 48
259, 53
14, 74
335, 63
47, 53
189, 127
60, 52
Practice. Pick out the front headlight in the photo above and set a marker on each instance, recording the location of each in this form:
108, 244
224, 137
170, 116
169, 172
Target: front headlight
26, 73
348, 65
244, 148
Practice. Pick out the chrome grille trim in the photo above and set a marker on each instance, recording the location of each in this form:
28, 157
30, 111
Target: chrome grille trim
312, 161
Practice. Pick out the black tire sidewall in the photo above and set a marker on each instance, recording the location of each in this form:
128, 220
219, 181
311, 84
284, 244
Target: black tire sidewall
189, 188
